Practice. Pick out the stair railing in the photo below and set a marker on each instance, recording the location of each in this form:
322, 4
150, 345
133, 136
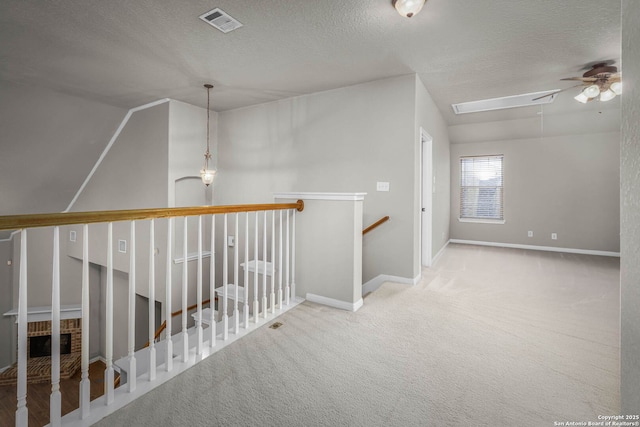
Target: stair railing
23, 223
375, 224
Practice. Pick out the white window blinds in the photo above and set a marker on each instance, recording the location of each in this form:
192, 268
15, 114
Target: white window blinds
481, 191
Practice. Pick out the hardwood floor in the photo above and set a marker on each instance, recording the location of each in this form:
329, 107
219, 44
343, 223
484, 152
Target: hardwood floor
38, 397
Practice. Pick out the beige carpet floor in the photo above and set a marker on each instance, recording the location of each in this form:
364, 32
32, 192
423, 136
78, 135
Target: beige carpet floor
489, 337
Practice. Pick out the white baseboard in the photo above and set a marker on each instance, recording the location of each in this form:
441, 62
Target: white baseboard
343, 305
537, 248
377, 281
440, 252
95, 359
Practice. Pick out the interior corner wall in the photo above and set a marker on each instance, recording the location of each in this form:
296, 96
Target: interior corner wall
430, 119
342, 140
62, 134
630, 211
566, 184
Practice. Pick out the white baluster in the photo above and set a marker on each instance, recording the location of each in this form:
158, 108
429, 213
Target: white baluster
85, 384
22, 413
152, 301
185, 278
264, 265
246, 271
212, 283
225, 282
168, 295
199, 343
256, 307
272, 296
286, 258
55, 400
280, 265
236, 282
132, 373
293, 257
109, 372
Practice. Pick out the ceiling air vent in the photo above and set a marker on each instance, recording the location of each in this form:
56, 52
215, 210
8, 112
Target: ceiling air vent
220, 20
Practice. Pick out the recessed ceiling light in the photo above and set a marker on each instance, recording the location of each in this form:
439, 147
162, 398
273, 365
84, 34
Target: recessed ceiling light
514, 101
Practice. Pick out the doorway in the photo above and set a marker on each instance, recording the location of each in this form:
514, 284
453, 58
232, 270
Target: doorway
427, 185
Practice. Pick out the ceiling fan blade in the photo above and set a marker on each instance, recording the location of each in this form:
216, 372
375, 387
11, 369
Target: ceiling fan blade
556, 92
581, 79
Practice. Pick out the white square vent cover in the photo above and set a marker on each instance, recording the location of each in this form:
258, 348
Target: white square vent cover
221, 20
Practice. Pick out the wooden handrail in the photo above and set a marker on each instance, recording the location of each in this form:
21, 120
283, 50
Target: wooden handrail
375, 224
191, 307
15, 222
163, 326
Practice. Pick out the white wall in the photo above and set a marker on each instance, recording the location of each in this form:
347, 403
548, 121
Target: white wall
430, 119
565, 184
343, 140
48, 144
630, 211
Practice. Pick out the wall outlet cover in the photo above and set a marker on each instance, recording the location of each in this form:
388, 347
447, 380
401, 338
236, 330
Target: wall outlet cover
382, 186
554, 236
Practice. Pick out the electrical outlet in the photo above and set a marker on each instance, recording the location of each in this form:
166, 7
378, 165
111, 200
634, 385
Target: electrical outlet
382, 186
530, 233
554, 236
231, 241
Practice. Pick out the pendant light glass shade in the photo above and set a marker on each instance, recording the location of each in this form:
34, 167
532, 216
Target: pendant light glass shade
592, 91
607, 95
408, 8
207, 174
616, 87
582, 98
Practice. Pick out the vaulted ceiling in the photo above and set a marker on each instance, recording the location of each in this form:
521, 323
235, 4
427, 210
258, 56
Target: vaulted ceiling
127, 53
119, 54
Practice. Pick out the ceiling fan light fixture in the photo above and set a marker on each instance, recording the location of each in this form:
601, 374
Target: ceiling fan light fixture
616, 87
607, 95
408, 8
592, 91
582, 98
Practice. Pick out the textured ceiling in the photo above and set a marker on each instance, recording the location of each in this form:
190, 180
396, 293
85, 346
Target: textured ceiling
128, 53
119, 54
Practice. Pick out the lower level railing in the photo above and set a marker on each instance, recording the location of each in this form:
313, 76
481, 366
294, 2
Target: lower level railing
266, 235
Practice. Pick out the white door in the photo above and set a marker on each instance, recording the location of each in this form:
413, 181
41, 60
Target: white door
428, 188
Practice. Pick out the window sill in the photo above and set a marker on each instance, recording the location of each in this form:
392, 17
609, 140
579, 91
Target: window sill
482, 221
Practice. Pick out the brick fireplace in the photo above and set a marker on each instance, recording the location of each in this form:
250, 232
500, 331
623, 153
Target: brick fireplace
39, 366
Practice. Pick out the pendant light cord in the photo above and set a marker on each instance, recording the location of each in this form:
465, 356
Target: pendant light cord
207, 155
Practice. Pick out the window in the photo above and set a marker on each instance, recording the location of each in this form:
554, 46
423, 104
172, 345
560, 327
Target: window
481, 191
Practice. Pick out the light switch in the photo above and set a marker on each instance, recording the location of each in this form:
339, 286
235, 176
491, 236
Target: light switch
382, 186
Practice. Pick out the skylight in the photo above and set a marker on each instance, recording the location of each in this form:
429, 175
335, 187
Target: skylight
514, 101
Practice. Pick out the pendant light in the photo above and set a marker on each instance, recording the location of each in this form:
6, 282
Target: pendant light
207, 174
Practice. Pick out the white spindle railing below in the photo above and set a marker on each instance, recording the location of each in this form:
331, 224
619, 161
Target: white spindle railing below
267, 260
